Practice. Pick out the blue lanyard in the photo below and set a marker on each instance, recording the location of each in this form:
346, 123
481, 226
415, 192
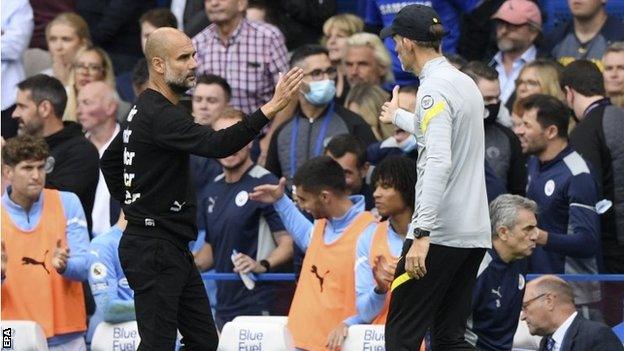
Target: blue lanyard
319, 140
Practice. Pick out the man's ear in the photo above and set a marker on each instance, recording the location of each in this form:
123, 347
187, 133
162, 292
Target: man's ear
364, 168
325, 196
45, 109
158, 63
552, 132
503, 233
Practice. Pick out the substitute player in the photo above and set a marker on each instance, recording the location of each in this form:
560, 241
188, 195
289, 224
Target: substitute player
449, 231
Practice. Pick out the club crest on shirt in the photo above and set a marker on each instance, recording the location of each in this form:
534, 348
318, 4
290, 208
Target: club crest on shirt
521, 282
49, 164
241, 198
426, 102
549, 187
493, 152
98, 271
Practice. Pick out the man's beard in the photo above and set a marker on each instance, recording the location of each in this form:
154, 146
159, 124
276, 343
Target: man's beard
179, 85
508, 45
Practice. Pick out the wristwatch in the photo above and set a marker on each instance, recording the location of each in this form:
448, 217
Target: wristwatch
265, 264
419, 233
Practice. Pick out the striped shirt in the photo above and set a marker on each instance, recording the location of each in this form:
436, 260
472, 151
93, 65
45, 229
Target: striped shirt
250, 60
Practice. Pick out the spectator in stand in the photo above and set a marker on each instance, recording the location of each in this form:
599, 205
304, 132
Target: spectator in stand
250, 231
17, 25
113, 297
114, 27
586, 35
502, 147
379, 247
324, 304
549, 311
497, 297
91, 64
366, 100
65, 34
350, 154
97, 107
598, 138
44, 247
367, 60
73, 164
316, 118
561, 184
45, 11
211, 96
249, 55
337, 29
613, 62
149, 22
140, 75
381, 13
518, 26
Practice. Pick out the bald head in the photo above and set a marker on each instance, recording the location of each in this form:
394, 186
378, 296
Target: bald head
99, 90
97, 106
553, 284
164, 41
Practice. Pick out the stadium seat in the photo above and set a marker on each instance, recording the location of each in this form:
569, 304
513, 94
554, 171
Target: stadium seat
262, 319
523, 340
365, 337
120, 336
251, 336
23, 336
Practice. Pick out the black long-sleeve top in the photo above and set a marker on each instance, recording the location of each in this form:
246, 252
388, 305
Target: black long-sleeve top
146, 167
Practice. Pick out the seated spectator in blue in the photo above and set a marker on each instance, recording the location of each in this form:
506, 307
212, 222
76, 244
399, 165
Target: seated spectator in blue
114, 299
44, 247
350, 154
561, 184
378, 249
585, 36
381, 13
252, 230
324, 304
316, 118
497, 296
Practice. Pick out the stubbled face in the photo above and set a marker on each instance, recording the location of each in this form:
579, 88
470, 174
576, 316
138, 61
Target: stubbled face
614, 72
532, 136
514, 38
88, 67
311, 203
209, 100
222, 11
362, 67
354, 176
27, 178
388, 200
180, 65
585, 9
528, 83
27, 114
63, 42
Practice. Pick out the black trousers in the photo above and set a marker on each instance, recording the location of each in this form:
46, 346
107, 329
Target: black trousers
439, 302
168, 295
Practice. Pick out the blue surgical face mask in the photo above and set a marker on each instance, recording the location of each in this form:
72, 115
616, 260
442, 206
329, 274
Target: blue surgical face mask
321, 92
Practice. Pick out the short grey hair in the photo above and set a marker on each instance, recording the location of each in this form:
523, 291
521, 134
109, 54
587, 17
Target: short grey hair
504, 211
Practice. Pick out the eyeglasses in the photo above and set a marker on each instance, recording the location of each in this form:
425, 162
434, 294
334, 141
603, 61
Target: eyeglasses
526, 304
530, 82
92, 68
318, 74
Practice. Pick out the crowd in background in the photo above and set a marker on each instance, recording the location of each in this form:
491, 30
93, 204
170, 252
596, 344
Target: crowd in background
554, 125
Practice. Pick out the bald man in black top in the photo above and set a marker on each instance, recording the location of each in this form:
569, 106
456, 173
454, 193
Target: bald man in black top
146, 168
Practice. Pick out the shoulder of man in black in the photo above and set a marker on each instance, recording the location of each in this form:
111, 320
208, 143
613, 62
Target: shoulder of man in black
356, 125
585, 334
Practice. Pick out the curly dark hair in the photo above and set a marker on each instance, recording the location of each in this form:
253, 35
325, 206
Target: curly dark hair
24, 148
397, 172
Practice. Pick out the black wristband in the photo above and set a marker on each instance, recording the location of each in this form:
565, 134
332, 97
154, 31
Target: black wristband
265, 264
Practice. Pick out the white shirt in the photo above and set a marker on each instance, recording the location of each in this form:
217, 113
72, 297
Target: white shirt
17, 25
508, 81
560, 333
101, 205
177, 8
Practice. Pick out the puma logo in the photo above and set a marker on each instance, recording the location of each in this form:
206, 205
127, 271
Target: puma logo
497, 292
314, 270
177, 207
28, 260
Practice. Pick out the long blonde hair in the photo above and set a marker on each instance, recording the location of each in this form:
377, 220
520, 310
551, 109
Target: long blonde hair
346, 22
548, 74
73, 20
72, 92
370, 98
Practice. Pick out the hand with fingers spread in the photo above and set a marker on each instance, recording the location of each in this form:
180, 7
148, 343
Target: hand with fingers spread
4, 260
269, 193
286, 90
389, 107
245, 264
383, 272
415, 258
60, 257
337, 337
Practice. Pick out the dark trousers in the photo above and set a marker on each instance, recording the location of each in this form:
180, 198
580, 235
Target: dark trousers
168, 295
439, 302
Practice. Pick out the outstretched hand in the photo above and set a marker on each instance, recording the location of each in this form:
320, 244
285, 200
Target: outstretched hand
269, 193
287, 88
389, 107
